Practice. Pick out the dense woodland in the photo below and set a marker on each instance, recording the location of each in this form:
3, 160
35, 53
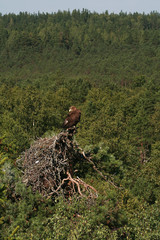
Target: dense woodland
107, 65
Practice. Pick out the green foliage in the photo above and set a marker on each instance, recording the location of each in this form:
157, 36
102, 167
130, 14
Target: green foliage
108, 66
2, 190
60, 219
147, 183
103, 48
145, 223
139, 82
105, 161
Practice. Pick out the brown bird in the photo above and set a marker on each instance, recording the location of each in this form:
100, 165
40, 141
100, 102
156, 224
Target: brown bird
72, 118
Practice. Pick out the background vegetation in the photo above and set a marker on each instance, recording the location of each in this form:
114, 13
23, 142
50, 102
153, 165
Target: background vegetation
108, 66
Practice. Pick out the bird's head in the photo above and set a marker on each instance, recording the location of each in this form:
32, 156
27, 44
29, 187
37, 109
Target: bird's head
72, 108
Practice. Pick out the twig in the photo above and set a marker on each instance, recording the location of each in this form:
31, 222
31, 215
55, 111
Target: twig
96, 169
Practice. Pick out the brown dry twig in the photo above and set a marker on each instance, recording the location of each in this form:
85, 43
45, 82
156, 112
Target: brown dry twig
97, 170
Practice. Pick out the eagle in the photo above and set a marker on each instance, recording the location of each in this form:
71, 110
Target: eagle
72, 118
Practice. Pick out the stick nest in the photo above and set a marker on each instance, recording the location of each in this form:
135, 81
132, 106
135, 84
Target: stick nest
48, 167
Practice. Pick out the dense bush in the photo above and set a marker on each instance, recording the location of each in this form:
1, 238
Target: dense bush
108, 66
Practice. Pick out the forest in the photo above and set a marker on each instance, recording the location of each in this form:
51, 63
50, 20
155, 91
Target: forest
108, 66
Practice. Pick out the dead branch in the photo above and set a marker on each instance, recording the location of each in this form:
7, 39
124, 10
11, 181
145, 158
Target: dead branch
96, 169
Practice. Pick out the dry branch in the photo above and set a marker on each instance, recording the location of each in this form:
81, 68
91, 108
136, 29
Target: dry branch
97, 170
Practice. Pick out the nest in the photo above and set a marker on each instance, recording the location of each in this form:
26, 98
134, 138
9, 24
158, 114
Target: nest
48, 167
